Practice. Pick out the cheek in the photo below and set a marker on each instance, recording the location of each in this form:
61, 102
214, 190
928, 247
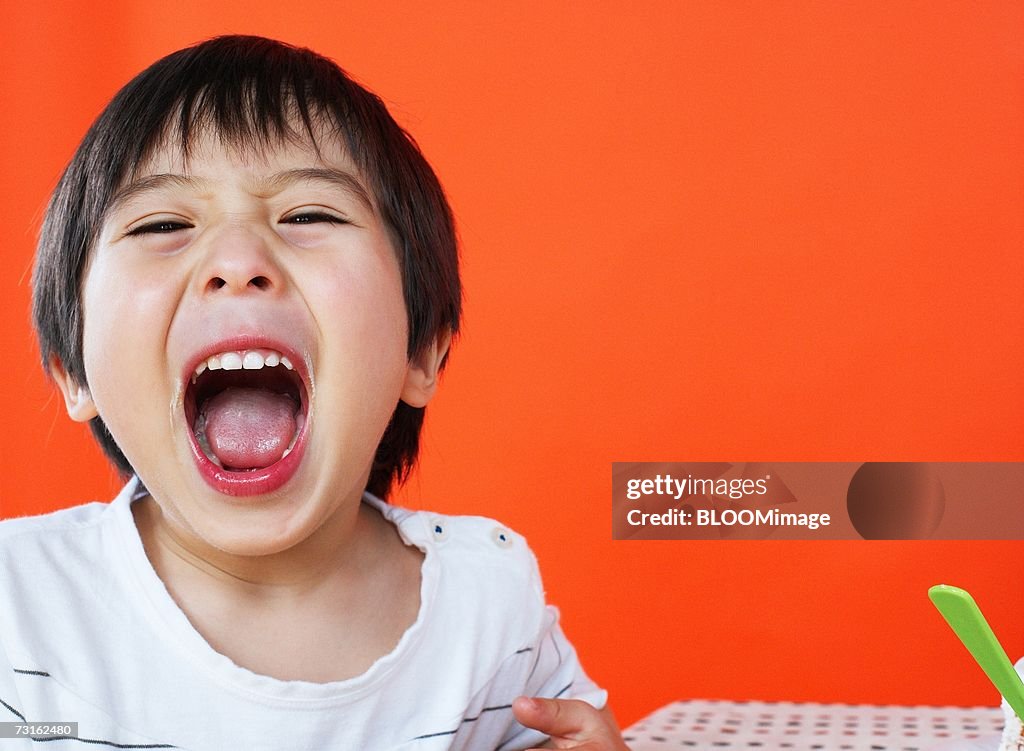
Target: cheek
123, 317
118, 296
362, 309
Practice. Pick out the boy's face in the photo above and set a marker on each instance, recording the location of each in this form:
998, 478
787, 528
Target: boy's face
233, 254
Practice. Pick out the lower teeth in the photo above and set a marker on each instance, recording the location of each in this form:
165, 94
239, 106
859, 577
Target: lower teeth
204, 444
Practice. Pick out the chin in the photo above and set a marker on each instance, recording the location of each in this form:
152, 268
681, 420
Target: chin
251, 527
257, 539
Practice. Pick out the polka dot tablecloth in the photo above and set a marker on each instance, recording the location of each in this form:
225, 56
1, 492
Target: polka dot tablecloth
759, 726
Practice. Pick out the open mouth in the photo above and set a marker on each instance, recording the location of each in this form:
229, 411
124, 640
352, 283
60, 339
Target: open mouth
247, 415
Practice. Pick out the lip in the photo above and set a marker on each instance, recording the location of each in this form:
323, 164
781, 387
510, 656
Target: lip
258, 481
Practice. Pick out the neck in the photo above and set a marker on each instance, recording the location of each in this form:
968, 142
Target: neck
323, 610
336, 551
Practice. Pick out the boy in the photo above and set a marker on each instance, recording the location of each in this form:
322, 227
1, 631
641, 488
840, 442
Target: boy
247, 284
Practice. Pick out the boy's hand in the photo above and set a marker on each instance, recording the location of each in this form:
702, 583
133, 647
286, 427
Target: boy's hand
570, 723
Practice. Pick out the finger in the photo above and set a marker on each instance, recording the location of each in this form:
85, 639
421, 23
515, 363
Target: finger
570, 719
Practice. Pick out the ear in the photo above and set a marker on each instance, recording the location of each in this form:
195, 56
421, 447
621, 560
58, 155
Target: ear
421, 375
77, 398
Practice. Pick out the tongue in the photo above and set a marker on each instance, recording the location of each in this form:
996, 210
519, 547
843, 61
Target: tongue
249, 428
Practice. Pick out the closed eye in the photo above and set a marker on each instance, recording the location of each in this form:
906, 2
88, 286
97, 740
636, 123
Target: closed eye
313, 217
161, 227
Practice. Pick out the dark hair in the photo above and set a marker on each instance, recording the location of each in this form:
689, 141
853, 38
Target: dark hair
253, 92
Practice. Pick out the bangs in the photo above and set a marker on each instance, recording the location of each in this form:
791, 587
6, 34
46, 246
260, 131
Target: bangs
251, 96
190, 123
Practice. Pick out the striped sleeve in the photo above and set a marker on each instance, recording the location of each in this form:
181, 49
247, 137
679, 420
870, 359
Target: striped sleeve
11, 708
554, 673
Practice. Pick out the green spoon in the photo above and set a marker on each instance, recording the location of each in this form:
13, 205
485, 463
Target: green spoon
964, 617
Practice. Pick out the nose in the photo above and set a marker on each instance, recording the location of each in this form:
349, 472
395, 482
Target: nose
239, 261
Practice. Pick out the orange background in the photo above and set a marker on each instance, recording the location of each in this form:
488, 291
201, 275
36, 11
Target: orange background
691, 231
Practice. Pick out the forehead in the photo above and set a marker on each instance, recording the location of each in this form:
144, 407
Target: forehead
267, 165
208, 146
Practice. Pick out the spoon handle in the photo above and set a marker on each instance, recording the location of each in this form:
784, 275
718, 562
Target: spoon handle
964, 617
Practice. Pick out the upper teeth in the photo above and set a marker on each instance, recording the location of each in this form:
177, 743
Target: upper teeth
249, 359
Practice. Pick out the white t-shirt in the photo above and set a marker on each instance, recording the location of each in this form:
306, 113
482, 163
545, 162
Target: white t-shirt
89, 634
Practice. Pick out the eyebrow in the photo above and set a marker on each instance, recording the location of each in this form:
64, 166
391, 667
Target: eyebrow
264, 186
